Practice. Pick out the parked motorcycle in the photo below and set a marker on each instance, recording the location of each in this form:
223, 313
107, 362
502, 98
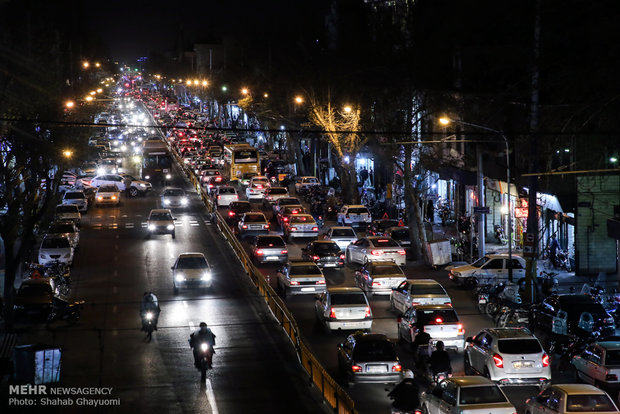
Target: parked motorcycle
499, 234
68, 311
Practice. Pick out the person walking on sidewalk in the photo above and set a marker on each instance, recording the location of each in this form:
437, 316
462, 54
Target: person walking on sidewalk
430, 211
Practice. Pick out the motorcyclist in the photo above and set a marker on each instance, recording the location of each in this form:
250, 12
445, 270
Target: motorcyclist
149, 304
421, 341
440, 360
406, 393
204, 334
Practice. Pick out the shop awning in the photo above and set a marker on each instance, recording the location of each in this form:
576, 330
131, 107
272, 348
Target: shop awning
500, 187
549, 202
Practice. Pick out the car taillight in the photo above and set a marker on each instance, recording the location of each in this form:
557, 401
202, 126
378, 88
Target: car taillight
498, 360
260, 252
342, 257
438, 320
611, 377
293, 228
402, 252
284, 251
545, 360
219, 197
218, 179
397, 368
376, 284
375, 252
459, 329
448, 303
356, 368
244, 226
260, 187
294, 282
231, 213
315, 229
320, 282
316, 258
367, 314
332, 313
415, 303
285, 219
266, 226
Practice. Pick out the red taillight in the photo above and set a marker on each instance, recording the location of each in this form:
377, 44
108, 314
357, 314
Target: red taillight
231, 213
356, 368
609, 377
294, 282
402, 252
316, 258
376, 284
332, 313
460, 329
342, 257
260, 187
260, 252
295, 212
320, 282
293, 228
284, 251
375, 252
315, 229
219, 197
448, 303
415, 303
285, 219
498, 360
397, 368
218, 179
438, 320
545, 360
244, 226
266, 226
367, 314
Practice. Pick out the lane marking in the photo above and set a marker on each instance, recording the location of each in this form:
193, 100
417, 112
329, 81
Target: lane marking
124, 215
143, 224
129, 225
184, 304
211, 397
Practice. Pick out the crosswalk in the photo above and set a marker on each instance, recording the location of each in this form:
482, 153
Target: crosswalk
113, 222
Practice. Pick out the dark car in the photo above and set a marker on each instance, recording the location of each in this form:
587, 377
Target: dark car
369, 358
325, 253
400, 234
573, 306
378, 227
270, 248
236, 209
35, 296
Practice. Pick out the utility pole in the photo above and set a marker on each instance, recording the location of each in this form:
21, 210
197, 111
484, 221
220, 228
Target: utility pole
480, 216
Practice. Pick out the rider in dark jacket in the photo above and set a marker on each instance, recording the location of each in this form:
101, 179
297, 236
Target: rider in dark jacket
203, 334
440, 360
149, 304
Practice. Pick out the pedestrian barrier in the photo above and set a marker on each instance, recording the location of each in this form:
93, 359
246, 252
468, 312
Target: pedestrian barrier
333, 394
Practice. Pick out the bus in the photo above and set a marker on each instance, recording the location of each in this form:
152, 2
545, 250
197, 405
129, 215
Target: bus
156, 161
241, 159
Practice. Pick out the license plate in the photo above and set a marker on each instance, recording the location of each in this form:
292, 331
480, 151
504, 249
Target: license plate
307, 289
523, 364
482, 301
330, 264
271, 258
256, 227
375, 370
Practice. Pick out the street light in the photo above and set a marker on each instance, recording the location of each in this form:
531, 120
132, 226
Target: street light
447, 121
224, 88
196, 82
299, 99
67, 153
245, 91
69, 104
97, 65
347, 109
189, 82
205, 83
266, 95
85, 65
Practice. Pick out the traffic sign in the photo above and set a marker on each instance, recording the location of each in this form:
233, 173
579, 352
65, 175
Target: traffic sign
482, 210
529, 237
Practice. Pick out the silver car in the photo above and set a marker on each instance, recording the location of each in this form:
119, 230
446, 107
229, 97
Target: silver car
269, 248
299, 278
342, 235
379, 278
55, 249
160, 221
343, 308
65, 228
369, 358
376, 248
417, 292
77, 198
191, 270
571, 398
174, 198
441, 322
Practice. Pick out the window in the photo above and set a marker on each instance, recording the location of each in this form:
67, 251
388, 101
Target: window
305, 270
589, 403
481, 395
55, 243
371, 351
386, 270
160, 217
254, 218
343, 233
191, 263
515, 264
428, 290
358, 210
495, 264
74, 196
437, 317
519, 346
612, 357
67, 209
270, 242
387, 242
349, 299
326, 248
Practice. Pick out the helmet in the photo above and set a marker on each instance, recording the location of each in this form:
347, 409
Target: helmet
408, 374
203, 324
439, 345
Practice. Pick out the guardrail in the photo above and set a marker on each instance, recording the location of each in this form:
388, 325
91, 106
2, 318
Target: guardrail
331, 391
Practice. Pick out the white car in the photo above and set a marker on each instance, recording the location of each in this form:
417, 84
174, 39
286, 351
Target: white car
354, 216
273, 194
108, 179
191, 270
65, 228
256, 190
599, 364
417, 292
253, 223
508, 356
490, 269
136, 187
76, 198
466, 395
343, 308
55, 249
68, 212
379, 278
174, 198
300, 278
108, 194
304, 183
441, 322
375, 248
343, 236
571, 398
225, 195
160, 221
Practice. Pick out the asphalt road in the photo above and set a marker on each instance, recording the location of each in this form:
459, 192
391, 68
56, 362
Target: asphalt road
255, 366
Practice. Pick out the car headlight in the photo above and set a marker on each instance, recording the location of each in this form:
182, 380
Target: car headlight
99, 198
168, 176
123, 148
100, 171
184, 201
166, 201
147, 177
142, 185
151, 227
170, 227
179, 277
206, 275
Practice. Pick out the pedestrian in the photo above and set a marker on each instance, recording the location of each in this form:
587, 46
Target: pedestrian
430, 211
553, 250
363, 175
371, 174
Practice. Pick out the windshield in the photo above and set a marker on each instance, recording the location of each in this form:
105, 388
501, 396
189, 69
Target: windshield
370, 351
174, 193
592, 403
161, 217
481, 395
66, 209
305, 270
386, 270
35, 290
245, 156
254, 218
61, 228
74, 196
191, 263
270, 242
437, 316
108, 189
302, 219
226, 190
575, 309
288, 201
343, 233
357, 210
240, 207
519, 346
612, 357
348, 299
55, 243
273, 191
326, 248
157, 161
384, 243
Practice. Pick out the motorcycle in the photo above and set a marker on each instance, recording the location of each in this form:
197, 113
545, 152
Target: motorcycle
499, 234
148, 322
482, 297
562, 261
205, 357
320, 222
437, 377
69, 312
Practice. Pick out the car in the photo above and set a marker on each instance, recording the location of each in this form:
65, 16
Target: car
212, 183
135, 186
236, 209
599, 364
300, 225
273, 194
572, 308
245, 179
68, 212
88, 168
325, 253
256, 190
354, 216
174, 198
107, 165
508, 356
65, 228
571, 398
302, 184
369, 358
55, 249
77, 198
340, 308
441, 322
252, 223
35, 296
191, 270
285, 201
375, 248
269, 248
286, 212
224, 195
108, 194
343, 236
108, 179
400, 234
300, 278
466, 395
160, 221
378, 227
489, 269
416, 292
379, 278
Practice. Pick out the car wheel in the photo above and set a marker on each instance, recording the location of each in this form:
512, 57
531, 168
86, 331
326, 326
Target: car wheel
175, 289
133, 191
174, 235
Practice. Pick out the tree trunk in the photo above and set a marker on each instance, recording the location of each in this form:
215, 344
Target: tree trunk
414, 214
348, 181
10, 270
